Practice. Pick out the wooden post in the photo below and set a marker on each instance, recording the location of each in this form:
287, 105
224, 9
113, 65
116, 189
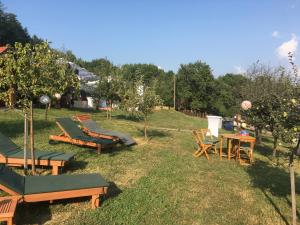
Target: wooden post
25, 141
293, 192
110, 103
106, 110
46, 111
32, 138
174, 98
145, 127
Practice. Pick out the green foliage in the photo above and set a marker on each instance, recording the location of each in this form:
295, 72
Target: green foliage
32, 70
272, 93
165, 87
195, 85
140, 100
227, 96
134, 72
11, 30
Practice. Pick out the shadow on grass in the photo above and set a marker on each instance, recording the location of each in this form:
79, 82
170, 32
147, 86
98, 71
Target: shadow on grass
127, 117
113, 190
272, 181
75, 165
267, 151
33, 213
88, 152
16, 127
152, 133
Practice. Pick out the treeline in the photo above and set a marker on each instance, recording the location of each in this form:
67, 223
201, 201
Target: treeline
196, 87
12, 31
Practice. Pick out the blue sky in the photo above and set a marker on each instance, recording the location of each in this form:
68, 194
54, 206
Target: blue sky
228, 35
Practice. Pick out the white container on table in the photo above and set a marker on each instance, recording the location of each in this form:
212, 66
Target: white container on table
214, 124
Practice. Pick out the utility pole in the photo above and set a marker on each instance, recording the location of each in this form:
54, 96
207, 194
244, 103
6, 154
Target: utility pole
174, 104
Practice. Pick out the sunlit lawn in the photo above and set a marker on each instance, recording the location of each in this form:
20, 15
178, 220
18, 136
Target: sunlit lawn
159, 181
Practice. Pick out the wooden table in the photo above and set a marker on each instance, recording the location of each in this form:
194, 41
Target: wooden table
231, 137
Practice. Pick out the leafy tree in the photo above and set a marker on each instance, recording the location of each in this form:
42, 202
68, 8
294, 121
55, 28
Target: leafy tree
269, 90
227, 94
147, 102
165, 87
140, 100
134, 72
11, 30
195, 85
32, 70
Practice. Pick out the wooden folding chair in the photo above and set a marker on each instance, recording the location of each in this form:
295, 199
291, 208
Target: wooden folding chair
202, 147
208, 138
245, 153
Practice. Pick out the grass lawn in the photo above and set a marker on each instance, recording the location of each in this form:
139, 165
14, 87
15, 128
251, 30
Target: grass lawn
159, 181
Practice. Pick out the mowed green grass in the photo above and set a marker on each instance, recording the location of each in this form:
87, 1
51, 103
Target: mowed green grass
158, 181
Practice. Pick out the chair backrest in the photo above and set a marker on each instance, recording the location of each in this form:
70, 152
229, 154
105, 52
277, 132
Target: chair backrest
7, 146
198, 138
91, 125
12, 180
205, 132
70, 127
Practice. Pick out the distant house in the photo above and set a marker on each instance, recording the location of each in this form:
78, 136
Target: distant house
87, 79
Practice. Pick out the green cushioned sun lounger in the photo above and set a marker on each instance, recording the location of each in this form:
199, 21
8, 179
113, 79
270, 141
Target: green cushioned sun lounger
74, 135
93, 127
49, 188
13, 155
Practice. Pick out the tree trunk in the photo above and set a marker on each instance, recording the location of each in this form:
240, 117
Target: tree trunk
258, 133
11, 97
275, 146
293, 192
25, 142
46, 112
106, 111
145, 127
110, 101
32, 139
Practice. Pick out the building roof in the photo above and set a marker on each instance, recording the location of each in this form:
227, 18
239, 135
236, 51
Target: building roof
2, 49
83, 74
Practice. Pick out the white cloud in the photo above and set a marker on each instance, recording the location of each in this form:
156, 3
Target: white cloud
288, 46
239, 69
275, 34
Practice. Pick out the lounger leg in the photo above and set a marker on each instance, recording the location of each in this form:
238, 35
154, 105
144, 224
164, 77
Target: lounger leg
95, 201
55, 170
99, 149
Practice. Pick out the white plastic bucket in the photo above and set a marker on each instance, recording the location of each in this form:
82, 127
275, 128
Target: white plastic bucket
214, 124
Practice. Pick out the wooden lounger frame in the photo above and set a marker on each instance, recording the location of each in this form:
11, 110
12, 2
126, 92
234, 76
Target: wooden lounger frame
94, 193
65, 137
55, 164
7, 208
84, 117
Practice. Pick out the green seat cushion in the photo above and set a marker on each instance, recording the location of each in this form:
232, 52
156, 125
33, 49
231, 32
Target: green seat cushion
101, 141
45, 184
75, 132
94, 127
10, 150
43, 155
209, 140
7, 146
11, 180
